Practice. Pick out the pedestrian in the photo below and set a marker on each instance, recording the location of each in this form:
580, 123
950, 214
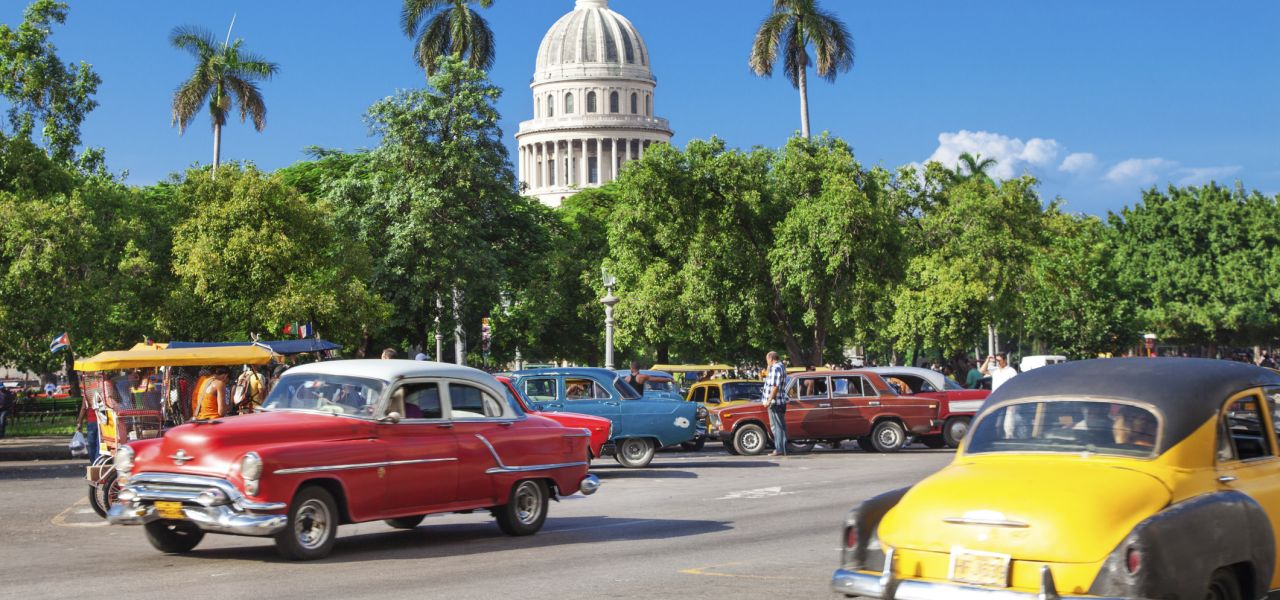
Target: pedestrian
7, 402
389, 354
775, 399
974, 375
636, 379
87, 423
998, 368
212, 401
422, 357
49, 389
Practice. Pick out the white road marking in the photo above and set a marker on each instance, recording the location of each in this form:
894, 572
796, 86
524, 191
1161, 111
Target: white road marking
61, 518
755, 494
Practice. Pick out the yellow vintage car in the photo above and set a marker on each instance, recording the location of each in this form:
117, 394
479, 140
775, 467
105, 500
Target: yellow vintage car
1115, 478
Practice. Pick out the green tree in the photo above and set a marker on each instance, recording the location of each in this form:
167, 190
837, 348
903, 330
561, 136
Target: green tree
792, 27
223, 74
255, 254
452, 28
1075, 302
1204, 263
40, 88
971, 166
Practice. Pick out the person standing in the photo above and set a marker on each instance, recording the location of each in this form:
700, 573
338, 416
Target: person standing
998, 368
775, 399
213, 396
974, 375
389, 354
6, 407
636, 379
87, 423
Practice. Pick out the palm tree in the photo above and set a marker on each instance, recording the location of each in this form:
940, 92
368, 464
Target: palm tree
976, 166
223, 73
452, 28
791, 29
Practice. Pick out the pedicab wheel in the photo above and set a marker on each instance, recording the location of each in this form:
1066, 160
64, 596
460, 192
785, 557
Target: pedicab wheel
888, 436
96, 504
750, 440
1223, 586
173, 537
525, 511
312, 528
864, 442
405, 522
728, 447
693, 445
106, 492
933, 442
805, 446
635, 452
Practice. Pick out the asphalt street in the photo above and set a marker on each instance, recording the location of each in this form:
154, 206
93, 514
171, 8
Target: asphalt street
702, 525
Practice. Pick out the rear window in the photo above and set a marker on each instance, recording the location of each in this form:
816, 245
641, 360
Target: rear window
1067, 426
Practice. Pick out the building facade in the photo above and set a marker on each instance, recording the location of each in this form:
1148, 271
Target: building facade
593, 105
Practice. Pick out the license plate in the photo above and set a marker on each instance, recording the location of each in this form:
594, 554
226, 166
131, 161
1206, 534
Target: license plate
170, 510
981, 568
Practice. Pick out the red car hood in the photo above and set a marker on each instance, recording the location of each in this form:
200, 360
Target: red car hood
215, 446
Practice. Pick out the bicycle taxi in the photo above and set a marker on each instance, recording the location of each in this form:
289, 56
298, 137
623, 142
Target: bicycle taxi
138, 393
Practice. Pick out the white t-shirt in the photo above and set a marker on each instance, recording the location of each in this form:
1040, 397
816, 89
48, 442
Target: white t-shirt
999, 376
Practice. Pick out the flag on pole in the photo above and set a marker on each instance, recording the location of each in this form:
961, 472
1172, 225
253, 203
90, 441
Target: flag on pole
60, 342
305, 330
289, 328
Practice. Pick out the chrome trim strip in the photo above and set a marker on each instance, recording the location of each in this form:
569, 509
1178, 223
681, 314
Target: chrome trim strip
137, 481
861, 583
389, 463
503, 468
987, 522
584, 434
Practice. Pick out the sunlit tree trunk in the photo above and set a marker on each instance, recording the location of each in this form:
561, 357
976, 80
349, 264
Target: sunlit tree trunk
804, 103
217, 148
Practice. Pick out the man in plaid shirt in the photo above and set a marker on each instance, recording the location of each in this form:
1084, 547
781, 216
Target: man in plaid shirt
775, 399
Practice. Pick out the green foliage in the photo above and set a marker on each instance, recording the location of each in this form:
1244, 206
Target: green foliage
1204, 263
256, 254
787, 33
40, 88
452, 28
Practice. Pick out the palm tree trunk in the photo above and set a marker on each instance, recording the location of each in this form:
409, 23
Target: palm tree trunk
217, 148
804, 103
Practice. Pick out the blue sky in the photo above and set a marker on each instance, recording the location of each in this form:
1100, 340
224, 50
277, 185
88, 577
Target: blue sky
1097, 98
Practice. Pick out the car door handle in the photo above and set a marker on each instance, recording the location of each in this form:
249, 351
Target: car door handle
611, 403
873, 404
445, 426
555, 405
824, 406
1226, 479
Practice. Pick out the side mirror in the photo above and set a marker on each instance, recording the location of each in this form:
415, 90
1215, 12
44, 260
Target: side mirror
392, 417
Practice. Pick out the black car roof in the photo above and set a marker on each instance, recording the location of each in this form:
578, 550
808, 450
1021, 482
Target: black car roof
1188, 391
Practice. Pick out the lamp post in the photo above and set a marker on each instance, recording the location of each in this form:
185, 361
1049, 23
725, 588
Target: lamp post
608, 301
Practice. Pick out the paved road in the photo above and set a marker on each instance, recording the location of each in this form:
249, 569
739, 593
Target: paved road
699, 525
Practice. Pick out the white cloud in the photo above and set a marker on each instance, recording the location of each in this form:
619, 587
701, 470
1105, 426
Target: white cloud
1203, 175
1078, 162
1141, 171
1012, 155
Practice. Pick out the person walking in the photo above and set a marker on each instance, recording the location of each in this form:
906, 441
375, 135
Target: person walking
87, 423
775, 399
974, 376
998, 368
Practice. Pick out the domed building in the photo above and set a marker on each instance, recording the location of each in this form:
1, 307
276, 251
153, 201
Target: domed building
592, 104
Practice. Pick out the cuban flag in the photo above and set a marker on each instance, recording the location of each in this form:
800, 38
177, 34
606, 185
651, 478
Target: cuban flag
305, 330
59, 343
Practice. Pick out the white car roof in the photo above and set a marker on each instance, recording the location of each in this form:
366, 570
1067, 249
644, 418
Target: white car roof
936, 379
391, 370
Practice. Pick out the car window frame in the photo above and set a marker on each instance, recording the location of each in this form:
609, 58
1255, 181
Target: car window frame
414, 381
555, 385
1158, 450
799, 379
595, 384
1224, 428
446, 403
866, 385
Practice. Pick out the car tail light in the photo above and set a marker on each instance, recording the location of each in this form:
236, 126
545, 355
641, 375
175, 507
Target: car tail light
851, 536
1133, 561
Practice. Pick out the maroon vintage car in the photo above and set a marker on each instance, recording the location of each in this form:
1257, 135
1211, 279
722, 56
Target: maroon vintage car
956, 403
601, 428
346, 442
830, 407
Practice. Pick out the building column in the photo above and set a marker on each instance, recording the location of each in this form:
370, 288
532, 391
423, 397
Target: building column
600, 166
626, 151
520, 164
640, 143
578, 168
542, 165
551, 165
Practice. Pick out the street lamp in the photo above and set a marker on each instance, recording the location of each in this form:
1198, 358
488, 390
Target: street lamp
608, 301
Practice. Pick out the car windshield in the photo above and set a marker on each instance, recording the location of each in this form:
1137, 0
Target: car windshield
1067, 426
951, 384
661, 385
335, 394
743, 391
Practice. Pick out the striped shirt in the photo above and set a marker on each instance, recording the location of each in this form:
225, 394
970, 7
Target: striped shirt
776, 379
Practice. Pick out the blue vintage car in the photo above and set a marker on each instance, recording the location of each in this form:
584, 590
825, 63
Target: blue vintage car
641, 425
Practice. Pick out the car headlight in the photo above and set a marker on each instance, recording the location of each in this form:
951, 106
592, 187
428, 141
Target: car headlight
251, 472
124, 464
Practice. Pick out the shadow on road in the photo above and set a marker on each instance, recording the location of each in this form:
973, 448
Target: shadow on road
650, 473
437, 541
42, 472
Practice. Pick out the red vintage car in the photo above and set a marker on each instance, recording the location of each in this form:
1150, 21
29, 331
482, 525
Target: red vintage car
601, 429
956, 403
347, 442
830, 407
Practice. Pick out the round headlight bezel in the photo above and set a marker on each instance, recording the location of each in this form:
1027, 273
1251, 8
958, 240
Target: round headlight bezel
123, 463
251, 470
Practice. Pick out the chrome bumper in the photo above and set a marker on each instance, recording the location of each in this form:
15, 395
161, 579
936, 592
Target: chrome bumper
209, 503
590, 484
887, 586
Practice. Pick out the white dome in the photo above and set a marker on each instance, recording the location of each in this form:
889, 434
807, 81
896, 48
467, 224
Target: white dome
592, 36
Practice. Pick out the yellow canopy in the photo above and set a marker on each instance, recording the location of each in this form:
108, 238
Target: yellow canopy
180, 357
691, 368
152, 346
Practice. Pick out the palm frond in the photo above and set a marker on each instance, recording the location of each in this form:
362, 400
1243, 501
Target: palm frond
413, 11
196, 40
764, 50
436, 41
253, 66
189, 97
483, 50
795, 57
833, 45
249, 99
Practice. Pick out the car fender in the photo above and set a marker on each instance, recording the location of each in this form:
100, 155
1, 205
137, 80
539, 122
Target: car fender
1182, 545
866, 517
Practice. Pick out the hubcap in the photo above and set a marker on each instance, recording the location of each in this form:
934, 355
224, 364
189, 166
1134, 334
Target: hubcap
889, 438
311, 525
528, 503
959, 430
751, 440
634, 450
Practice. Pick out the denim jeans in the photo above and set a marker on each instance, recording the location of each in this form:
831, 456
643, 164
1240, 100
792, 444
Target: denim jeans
778, 425
91, 440
4, 420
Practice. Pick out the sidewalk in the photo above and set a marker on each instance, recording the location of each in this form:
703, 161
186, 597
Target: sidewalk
40, 448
